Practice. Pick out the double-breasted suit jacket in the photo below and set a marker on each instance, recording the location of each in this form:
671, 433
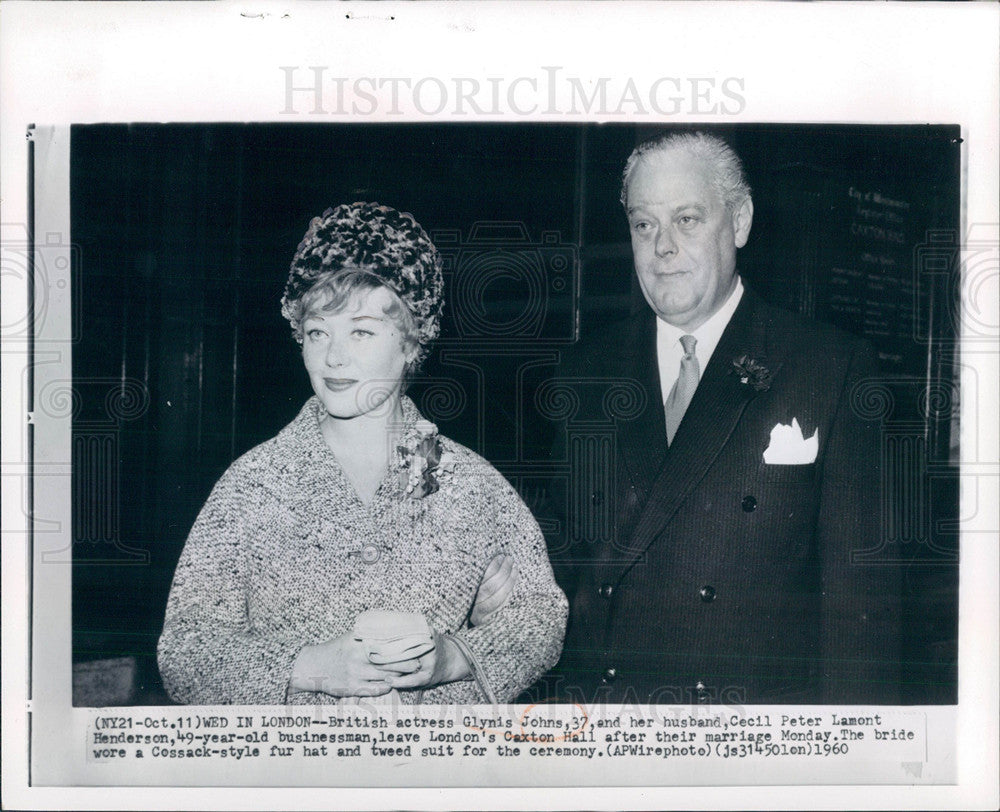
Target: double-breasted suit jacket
727, 579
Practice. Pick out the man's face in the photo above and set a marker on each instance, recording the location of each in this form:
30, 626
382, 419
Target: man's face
684, 239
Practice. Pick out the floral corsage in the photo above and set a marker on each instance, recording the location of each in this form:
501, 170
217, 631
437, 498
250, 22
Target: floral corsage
423, 461
752, 373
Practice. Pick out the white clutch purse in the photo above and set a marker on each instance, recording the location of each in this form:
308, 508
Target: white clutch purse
391, 637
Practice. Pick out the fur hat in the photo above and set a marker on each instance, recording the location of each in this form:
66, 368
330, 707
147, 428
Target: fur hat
390, 245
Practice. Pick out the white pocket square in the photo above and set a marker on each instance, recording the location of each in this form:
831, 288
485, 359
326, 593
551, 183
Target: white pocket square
789, 447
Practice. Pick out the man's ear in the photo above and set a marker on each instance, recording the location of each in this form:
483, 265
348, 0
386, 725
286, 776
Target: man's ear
742, 220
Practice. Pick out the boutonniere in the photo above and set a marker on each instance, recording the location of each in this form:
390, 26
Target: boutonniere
423, 461
752, 373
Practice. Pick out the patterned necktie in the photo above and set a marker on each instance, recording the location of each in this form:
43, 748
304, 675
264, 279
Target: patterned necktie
687, 381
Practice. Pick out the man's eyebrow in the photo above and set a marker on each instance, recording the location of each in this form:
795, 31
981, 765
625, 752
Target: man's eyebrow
698, 207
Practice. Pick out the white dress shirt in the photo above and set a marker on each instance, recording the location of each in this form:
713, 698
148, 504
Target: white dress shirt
668, 341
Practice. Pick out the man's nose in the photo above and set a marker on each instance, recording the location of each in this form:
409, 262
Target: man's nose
665, 244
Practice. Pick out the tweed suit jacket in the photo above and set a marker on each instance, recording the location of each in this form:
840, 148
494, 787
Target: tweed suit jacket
284, 555
722, 578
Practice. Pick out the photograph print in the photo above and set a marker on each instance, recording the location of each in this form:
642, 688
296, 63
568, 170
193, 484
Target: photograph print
514, 413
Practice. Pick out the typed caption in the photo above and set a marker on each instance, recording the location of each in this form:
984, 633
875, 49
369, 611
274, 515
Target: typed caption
353, 740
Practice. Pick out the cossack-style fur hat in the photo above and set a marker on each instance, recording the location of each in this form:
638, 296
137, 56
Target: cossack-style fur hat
389, 244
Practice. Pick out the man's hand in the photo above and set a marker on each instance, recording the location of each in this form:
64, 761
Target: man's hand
498, 583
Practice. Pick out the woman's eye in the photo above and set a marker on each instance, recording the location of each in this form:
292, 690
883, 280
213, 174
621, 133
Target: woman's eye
315, 334
360, 331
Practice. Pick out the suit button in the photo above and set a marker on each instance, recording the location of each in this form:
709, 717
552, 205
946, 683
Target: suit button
606, 591
596, 498
707, 593
609, 676
749, 504
702, 692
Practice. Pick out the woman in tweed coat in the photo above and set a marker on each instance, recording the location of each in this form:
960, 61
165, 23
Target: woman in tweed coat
358, 504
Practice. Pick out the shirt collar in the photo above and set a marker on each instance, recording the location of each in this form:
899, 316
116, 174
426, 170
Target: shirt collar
708, 334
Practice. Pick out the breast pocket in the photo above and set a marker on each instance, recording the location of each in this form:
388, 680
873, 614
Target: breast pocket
793, 474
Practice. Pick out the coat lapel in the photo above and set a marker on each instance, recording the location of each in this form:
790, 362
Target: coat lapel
644, 439
714, 412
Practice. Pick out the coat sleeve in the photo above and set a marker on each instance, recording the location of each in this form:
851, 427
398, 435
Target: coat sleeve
860, 586
524, 638
209, 652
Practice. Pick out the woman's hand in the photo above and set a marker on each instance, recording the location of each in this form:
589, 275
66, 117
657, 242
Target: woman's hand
443, 663
340, 667
498, 582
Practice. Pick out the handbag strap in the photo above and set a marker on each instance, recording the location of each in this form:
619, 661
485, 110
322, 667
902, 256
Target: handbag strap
477, 670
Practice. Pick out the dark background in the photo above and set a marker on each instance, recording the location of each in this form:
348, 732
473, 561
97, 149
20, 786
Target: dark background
182, 361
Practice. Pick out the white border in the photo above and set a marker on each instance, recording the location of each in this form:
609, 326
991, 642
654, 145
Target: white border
844, 62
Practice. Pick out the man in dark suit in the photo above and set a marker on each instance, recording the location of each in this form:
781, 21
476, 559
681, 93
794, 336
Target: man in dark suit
741, 488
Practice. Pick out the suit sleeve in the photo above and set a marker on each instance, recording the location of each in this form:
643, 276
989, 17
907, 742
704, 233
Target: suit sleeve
524, 639
860, 587
209, 653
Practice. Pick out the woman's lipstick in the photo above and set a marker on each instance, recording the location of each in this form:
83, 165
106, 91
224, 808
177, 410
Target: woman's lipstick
339, 384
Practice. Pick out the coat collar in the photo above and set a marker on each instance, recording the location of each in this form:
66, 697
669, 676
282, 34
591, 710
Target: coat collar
307, 467
303, 434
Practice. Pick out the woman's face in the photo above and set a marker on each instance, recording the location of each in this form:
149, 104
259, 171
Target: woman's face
356, 358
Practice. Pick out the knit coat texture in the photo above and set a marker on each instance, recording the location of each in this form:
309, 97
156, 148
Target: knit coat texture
284, 554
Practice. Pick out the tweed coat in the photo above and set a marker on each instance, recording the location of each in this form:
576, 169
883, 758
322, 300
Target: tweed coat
723, 578
284, 554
